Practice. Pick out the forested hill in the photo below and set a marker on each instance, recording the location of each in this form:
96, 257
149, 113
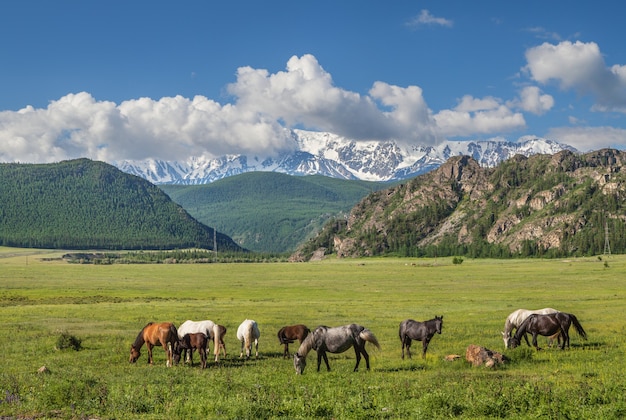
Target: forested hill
84, 204
558, 205
269, 211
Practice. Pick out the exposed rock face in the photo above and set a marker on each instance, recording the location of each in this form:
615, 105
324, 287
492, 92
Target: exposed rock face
542, 201
478, 356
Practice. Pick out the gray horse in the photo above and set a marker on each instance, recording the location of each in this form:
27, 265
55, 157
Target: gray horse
335, 340
421, 331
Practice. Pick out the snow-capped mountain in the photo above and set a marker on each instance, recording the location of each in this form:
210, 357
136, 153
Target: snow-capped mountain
335, 156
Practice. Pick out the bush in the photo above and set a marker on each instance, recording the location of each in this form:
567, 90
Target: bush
68, 341
457, 260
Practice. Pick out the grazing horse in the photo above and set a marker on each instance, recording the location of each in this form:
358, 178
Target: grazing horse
287, 335
191, 342
163, 333
247, 333
547, 325
421, 331
335, 340
515, 319
208, 328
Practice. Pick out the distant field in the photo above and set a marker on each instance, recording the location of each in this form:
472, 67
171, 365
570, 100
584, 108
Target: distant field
106, 305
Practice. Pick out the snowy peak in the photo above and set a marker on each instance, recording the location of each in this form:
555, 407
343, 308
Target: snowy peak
338, 157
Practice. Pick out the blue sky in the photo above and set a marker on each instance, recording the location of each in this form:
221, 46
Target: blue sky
153, 79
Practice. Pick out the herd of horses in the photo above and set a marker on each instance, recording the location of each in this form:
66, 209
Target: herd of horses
195, 335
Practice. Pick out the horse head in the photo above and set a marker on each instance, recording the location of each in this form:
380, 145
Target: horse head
134, 354
438, 323
512, 342
505, 338
299, 362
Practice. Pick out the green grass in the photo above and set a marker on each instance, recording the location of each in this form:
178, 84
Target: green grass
106, 306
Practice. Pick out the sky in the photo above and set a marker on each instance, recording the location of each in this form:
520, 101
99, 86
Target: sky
169, 80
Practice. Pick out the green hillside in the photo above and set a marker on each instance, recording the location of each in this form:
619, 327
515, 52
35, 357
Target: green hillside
82, 204
268, 211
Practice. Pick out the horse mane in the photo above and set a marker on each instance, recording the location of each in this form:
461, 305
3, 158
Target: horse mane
140, 340
306, 345
309, 342
521, 330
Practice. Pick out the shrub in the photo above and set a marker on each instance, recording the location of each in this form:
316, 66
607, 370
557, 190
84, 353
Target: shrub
68, 341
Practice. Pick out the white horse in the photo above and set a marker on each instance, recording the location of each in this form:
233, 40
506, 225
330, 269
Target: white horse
515, 319
208, 328
248, 332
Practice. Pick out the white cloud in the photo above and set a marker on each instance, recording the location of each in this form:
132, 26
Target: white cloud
304, 94
532, 100
426, 18
478, 116
174, 128
590, 138
580, 67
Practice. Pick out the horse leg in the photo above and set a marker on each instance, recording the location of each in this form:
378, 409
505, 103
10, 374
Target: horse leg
320, 355
406, 343
366, 357
203, 357
357, 353
256, 348
565, 339
526, 338
286, 351
168, 351
535, 341
425, 347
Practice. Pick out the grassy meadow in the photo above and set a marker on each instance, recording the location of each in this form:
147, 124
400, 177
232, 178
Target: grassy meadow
105, 306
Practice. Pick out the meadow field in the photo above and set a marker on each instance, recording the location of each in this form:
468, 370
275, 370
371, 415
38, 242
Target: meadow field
105, 307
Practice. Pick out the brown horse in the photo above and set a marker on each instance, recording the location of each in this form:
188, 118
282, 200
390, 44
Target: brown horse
289, 334
191, 342
163, 333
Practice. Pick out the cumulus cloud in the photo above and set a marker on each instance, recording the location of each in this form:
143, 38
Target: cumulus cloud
580, 67
171, 128
265, 106
590, 138
478, 116
532, 100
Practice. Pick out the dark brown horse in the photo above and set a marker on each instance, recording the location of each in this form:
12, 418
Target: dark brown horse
163, 333
289, 334
191, 342
547, 325
422, 331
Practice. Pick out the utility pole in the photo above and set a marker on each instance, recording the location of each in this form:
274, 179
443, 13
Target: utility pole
214, 245
607, 245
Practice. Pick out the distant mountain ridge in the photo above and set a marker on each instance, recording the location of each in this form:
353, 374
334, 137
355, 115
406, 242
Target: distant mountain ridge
320, 153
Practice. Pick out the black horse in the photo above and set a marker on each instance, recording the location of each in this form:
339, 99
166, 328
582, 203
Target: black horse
421, 331
547, 325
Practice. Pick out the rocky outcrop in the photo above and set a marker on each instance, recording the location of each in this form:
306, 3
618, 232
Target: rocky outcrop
479, 356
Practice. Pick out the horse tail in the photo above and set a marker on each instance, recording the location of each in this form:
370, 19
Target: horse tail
369, 336
282, 337
579, 328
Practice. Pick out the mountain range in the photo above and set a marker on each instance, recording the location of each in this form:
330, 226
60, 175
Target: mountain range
327, 154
